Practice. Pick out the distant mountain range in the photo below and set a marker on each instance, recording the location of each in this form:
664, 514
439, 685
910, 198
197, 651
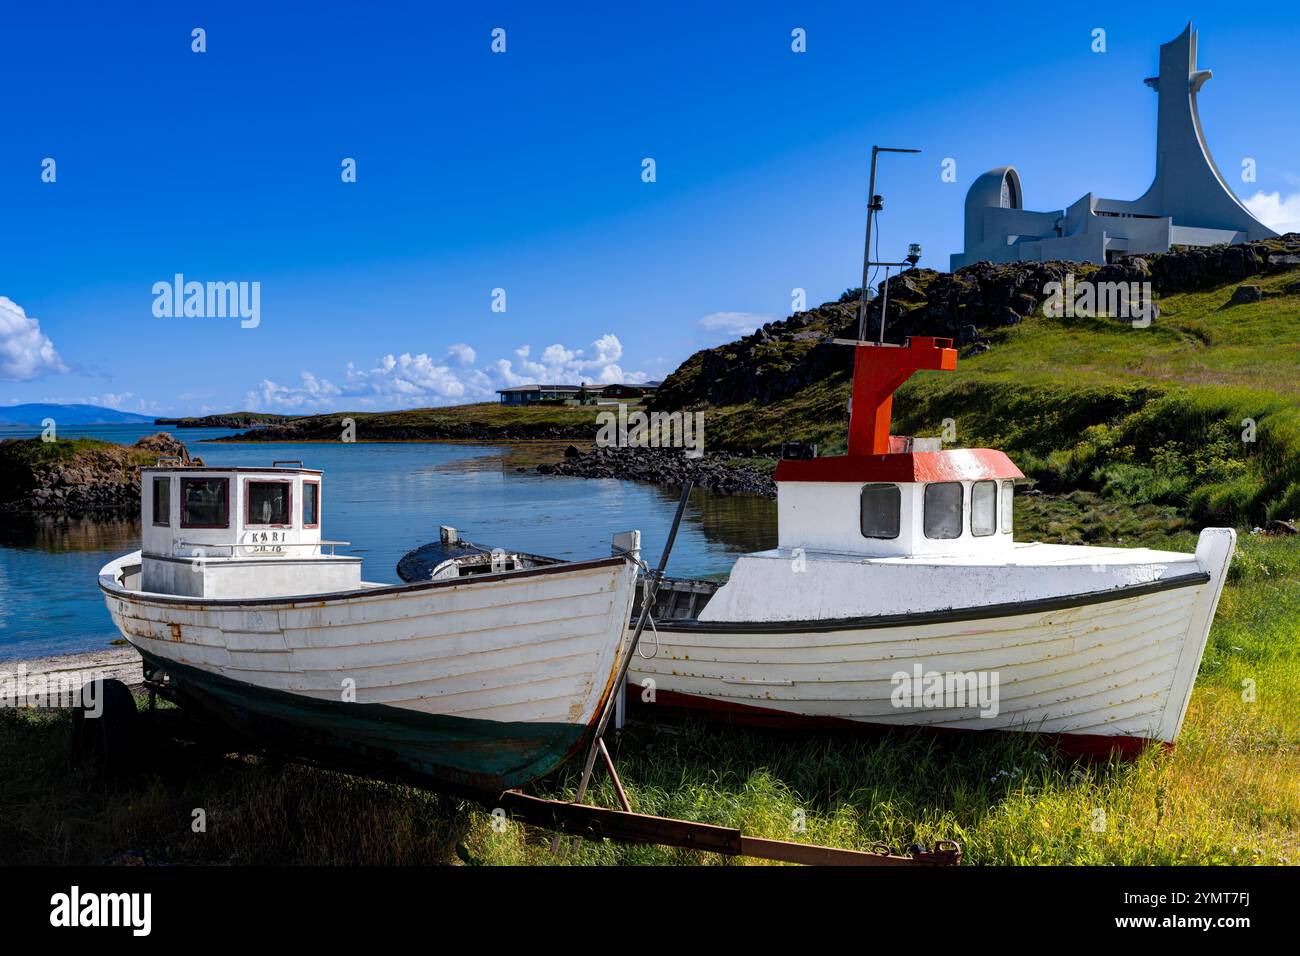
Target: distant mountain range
34, 414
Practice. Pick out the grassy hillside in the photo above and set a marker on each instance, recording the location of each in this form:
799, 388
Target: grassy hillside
480, 421
1147, 415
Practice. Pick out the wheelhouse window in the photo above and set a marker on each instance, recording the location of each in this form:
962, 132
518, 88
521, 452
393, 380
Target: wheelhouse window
1008, 494
943, 507
880, 511
983, 508
268, 503
311, 504
162, 502
205, 503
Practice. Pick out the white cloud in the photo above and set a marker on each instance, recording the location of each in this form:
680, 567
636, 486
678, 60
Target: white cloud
560, 365
407, 380
312, 394
733, 324
462, 353
25, 351
1278, 213
117, 401
412, 381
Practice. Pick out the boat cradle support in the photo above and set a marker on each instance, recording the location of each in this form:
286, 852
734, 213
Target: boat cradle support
592, 822
601, 823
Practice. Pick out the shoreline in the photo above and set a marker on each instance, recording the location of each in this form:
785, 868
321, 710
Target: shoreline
387, 441
718, 472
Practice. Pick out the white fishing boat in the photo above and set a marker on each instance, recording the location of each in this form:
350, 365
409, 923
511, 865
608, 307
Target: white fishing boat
483, 676
897, 596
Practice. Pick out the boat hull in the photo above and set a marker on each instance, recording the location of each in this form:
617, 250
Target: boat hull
1098, 672
470, 755
478, 684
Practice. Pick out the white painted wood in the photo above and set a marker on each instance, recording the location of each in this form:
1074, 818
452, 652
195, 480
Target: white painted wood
825, 516
782, 585
1214, 551
1122, 667
244, 558
519, 646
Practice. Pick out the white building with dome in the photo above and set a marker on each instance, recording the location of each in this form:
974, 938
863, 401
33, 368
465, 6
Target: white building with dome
1188, 204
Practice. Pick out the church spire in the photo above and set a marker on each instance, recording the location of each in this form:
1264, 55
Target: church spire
1188, 185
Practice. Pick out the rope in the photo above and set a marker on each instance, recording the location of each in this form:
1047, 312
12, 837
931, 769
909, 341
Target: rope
651, 621
633, 557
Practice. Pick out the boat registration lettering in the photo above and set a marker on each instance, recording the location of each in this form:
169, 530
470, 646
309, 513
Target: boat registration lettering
266, 542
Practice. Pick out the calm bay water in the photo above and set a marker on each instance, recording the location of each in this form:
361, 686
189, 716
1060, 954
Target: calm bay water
385, 499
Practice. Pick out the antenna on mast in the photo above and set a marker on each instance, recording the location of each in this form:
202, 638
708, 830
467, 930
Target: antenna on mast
874, 205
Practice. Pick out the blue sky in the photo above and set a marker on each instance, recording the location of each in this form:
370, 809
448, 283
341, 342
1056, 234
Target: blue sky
522, 171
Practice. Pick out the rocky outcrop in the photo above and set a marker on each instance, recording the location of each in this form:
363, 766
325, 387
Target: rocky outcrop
720, 472
80, 477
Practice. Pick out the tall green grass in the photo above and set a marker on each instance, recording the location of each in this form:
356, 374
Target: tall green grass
1225, 455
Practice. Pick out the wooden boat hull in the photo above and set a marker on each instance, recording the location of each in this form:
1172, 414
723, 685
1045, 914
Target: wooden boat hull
468, 754
1104, 671
480, 684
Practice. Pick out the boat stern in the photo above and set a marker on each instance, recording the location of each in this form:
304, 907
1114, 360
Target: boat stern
1214, 550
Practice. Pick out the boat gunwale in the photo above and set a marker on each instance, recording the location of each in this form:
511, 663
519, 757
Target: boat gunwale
235, 469
942, 616
333, 597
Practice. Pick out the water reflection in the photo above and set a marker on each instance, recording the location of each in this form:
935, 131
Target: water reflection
57, 534
737, 523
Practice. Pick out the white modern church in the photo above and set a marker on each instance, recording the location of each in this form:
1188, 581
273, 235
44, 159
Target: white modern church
1188, 204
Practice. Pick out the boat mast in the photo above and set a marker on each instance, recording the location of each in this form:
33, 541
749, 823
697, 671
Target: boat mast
874, 205
874, 377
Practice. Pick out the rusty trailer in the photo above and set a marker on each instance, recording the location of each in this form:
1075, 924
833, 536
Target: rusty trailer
624, 826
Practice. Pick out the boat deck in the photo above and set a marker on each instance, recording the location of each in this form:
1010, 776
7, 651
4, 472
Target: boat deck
1020, 554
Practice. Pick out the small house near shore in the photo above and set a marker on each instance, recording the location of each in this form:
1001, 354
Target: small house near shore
535, 394
630, 390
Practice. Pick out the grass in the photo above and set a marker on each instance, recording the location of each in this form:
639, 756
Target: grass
36, 453
1200, 411
1229, 792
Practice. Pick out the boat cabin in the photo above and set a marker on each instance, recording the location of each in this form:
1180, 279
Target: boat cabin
892, 496
238, 532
